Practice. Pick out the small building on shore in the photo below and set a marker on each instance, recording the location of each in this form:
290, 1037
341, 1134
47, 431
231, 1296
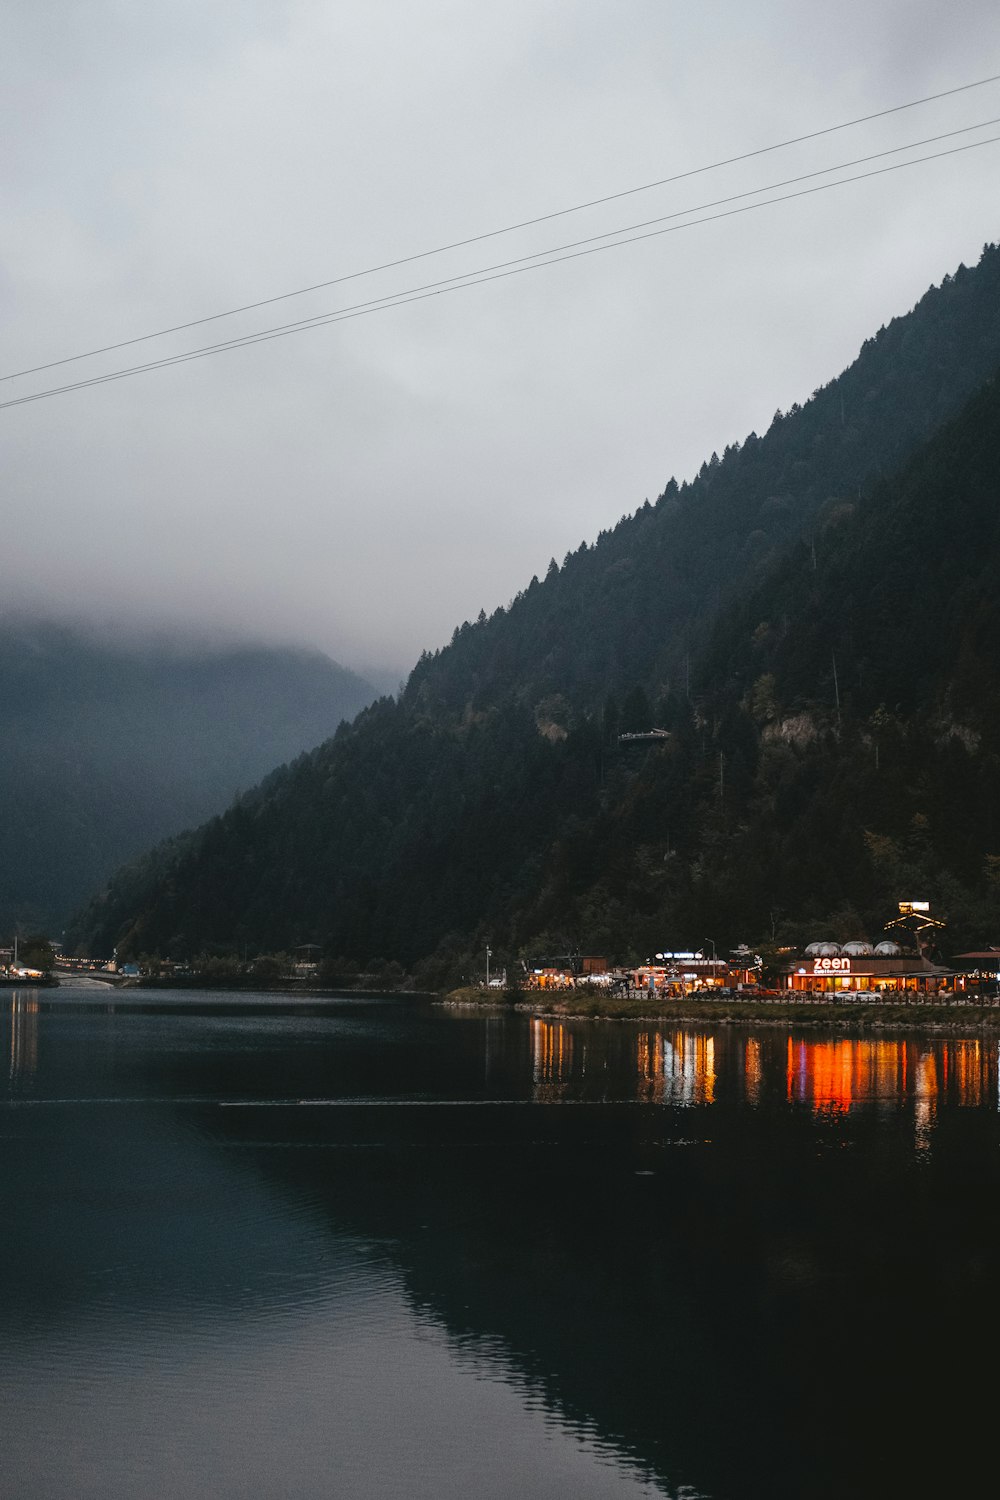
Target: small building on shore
978, 971
563, 971
693, 971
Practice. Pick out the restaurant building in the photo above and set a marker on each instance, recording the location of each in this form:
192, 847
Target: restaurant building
885, 968
906, 961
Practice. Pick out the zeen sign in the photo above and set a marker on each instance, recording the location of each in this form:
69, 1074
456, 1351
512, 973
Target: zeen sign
831, 965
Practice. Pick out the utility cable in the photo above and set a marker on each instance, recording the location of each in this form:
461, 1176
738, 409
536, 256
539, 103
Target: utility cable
508, 229
472, 278
477, 278
553, 252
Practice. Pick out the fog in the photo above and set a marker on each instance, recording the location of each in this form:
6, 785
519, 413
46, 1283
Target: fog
363, 487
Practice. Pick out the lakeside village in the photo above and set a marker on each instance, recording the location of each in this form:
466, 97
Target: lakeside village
905, 965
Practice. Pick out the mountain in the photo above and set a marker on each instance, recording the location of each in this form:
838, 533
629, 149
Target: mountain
109, 748
810, 618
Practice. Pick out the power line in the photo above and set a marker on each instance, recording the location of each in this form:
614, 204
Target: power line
453, 283
477, 278
508, 229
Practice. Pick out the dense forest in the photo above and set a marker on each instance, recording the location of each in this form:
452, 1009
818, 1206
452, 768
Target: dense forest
110, 746
812, 619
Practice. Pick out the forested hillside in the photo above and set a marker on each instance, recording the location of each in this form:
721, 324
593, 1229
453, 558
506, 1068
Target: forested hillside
633, 607
812, 620
108, 748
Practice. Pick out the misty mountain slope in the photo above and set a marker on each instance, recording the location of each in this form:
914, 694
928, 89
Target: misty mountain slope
108, 749
495, 800
636, 605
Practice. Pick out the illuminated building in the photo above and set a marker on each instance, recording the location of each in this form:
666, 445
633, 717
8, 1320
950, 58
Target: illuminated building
907, 963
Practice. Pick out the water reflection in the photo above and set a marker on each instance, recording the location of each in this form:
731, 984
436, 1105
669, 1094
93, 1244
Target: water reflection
574, 1061
753, 1069
23, 1046
837, 1075
438, 1288
551, 1060
675, 1068
651, 1066
570, 1060
925, 1099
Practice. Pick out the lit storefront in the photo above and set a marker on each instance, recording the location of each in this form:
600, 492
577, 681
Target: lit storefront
838, 969
686, 973
907, 963
978, 972
566, 971
550, 979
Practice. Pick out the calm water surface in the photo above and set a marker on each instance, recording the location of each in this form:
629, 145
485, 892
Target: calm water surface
370, 1248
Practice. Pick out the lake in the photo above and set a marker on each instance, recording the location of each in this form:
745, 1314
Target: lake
363, 1247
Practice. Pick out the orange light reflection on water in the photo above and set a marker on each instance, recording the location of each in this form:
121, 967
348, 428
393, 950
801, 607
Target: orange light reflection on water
651, 1066
552, 1058
835, 1074
831, 1075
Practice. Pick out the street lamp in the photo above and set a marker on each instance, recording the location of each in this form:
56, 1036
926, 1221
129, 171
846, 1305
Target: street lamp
715, 956
488, 965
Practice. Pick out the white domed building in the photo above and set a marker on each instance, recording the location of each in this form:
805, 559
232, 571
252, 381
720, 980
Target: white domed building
896, 967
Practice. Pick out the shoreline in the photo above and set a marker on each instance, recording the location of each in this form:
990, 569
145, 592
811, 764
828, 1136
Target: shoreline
820, 1015
843, 1017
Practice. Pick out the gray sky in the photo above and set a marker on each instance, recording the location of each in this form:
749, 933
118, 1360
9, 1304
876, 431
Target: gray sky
364, 487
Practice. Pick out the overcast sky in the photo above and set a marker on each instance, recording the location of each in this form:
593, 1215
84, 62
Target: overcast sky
365, 486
